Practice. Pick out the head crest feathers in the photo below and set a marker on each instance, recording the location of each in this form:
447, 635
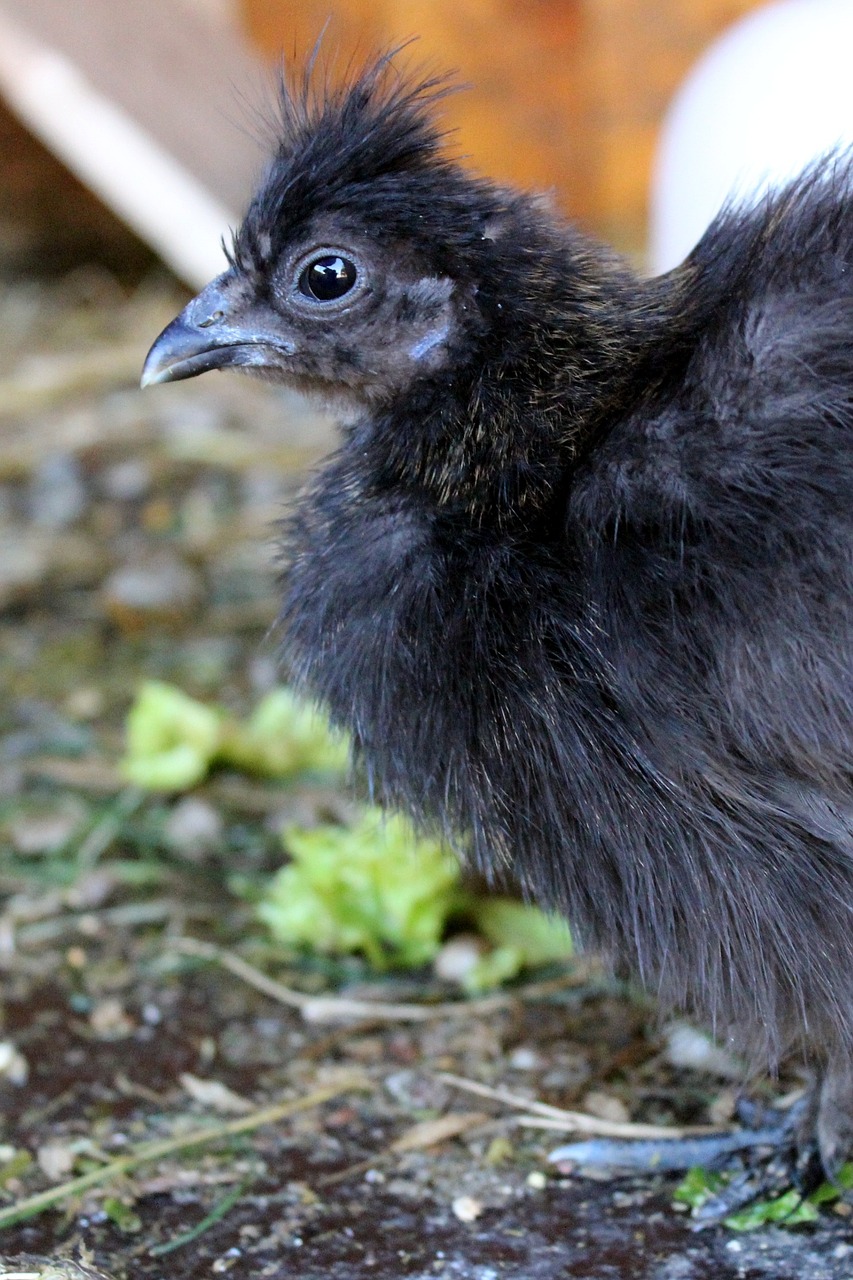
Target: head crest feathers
368, 148
383, 113
335, 142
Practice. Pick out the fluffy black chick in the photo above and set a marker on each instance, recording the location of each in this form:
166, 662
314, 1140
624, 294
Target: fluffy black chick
579, 578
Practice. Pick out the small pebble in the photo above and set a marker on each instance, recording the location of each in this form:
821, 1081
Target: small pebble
606, 1106
722, 1109
126, 481
23, 566
458, 957
58, 496
161, 589
201, 518
524, 1058
467, 1209
262, 487
207, 660
193, 828
84, 703
13, 1065
56, 1160
264, 673
37, 833
688, 1047
109, 1020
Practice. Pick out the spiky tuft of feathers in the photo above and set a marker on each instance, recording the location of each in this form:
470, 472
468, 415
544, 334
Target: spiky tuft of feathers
370, 145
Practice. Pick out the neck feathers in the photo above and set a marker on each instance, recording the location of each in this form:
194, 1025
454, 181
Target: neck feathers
568, 336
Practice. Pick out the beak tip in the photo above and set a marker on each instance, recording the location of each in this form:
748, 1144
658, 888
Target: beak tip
160, 362
151, 376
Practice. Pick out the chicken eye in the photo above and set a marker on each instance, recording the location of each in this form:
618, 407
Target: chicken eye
328, 278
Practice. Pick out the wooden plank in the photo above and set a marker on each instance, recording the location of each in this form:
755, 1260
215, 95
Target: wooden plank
151, 104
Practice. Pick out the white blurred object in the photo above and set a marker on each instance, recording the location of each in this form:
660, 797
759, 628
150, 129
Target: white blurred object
772, 94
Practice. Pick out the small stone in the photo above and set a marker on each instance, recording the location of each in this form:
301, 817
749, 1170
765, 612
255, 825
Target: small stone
109, 1020
215, 1095
262, 487
23, 566
688, 1047
56, 1160
467, 1208
264, 673
160, 589
13, 1065
11, 780
208, 660
201, 515
524, 1058
126, 481
723, 1108
36, 833
194, 827
606, 1106
58, 495
458, 957
85, 703
158, 515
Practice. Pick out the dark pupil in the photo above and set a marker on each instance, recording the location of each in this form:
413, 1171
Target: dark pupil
328, 278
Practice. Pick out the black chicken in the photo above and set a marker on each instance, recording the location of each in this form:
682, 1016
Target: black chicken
579, 579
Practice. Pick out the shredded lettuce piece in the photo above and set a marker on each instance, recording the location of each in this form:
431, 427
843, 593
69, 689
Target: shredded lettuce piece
173, 740
373, 888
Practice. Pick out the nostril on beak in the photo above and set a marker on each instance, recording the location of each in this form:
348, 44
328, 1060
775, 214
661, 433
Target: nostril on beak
213, 318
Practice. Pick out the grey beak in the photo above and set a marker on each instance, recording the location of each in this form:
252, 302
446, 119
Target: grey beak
207, 336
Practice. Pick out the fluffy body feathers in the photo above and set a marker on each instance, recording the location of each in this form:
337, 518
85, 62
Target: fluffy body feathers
579, 579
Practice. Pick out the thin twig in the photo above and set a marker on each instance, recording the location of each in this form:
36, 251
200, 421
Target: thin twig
544, 1116
87, 773
127, 915
336, 1008
583, 1122
169, 1146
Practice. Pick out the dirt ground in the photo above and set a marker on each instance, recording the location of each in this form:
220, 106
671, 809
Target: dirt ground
198, 1125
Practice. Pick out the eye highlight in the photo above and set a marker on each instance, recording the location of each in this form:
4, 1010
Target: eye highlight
328, 277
